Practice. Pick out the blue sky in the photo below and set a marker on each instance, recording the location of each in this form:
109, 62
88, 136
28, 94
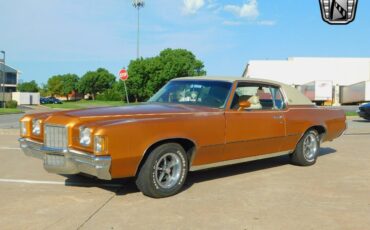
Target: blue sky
47, 37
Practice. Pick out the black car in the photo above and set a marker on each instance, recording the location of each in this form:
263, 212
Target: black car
44, 100
364, 111
53, 100
50, 100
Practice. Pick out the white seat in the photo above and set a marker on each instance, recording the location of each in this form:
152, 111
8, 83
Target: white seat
255, 102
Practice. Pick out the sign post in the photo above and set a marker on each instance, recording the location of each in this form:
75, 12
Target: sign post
123, 76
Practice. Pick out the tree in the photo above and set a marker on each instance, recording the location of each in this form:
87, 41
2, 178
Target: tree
94, 82
62, 84
55, 85
28, 87
146, 76
112, 94
70, 82
44, 91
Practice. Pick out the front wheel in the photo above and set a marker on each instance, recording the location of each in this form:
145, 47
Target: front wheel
164, 171
307, 149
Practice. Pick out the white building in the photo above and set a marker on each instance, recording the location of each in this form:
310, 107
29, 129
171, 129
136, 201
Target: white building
26, 98
342, 72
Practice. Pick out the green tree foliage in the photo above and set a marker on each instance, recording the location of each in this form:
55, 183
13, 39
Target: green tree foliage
94, 82
44, 91
55, 85
146, 76
61, 85
113, 94
70, 82
28, 87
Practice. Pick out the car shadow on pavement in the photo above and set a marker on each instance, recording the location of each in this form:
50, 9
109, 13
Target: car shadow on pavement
118, 186
243, 168
127, 186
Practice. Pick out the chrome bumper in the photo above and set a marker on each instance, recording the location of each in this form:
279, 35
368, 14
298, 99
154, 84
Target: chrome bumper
68, 161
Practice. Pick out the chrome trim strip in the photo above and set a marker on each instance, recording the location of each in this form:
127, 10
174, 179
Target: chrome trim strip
237, 161
68, 161
259, 139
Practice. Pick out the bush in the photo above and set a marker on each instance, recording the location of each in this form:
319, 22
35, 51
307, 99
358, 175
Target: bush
11, 104
109, 95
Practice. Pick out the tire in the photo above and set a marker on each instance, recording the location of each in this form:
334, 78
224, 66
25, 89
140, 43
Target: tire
164, 172
307, 149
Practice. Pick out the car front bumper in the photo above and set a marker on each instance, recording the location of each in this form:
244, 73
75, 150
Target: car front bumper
363, 114
68, 161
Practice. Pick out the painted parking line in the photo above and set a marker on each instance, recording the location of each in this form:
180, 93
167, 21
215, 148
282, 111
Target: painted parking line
10, 148
20, 181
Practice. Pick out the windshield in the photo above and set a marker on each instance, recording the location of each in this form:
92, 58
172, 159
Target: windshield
194, 92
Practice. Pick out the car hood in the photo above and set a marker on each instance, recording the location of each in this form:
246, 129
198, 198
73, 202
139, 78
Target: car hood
146, 109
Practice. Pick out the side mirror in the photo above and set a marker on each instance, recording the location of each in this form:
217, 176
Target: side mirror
243, 105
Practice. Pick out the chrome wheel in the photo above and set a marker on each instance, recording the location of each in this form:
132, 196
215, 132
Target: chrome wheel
310, 147
168, 170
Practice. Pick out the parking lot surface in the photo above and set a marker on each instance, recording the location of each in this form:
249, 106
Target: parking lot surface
265, 194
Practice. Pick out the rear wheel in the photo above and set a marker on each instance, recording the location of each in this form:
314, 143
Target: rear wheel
307, 149
164, 171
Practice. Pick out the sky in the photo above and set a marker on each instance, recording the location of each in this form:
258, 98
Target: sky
43, 38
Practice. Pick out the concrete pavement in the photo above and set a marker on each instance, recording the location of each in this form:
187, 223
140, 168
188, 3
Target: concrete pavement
11, 121
265, 194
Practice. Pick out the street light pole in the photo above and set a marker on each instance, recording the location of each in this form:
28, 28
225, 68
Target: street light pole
138, 4
3, 75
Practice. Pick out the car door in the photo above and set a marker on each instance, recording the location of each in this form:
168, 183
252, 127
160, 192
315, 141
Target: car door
259, 129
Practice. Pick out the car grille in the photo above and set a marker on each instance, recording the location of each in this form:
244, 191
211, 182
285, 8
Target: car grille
55, 136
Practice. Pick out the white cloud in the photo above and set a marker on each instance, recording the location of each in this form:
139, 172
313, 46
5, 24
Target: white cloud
247, 10
192, 6
231, 23
267, 23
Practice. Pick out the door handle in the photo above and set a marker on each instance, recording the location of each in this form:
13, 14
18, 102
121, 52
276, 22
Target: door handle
278, 117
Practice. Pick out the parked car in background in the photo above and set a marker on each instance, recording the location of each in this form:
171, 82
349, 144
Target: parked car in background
364, 111
44, 100
50, 100
54, 100
190, 124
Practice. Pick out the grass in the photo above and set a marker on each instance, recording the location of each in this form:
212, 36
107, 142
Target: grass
9, 111
82, 104
351, 114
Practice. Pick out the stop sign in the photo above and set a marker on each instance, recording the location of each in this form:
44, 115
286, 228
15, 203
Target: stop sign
123, 75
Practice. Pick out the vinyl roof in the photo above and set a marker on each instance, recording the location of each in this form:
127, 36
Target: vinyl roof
294, 97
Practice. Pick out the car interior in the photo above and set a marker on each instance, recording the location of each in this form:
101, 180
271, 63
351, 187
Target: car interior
261, 97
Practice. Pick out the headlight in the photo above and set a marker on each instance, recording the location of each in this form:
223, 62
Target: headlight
36, 127
85, 136
23, 128
100, 145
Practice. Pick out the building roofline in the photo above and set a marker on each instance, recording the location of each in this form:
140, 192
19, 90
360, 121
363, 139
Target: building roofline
9, 67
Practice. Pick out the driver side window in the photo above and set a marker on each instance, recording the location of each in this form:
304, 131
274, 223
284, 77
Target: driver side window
259, 96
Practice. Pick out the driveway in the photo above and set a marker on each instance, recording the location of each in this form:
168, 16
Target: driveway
265, 194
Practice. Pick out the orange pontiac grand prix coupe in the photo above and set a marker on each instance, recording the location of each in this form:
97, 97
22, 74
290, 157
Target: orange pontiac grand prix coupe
192, 123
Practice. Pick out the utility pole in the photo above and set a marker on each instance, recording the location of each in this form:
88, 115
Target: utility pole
3, 75
138, 4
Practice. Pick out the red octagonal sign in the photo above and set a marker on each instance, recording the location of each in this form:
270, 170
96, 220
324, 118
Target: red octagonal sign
123, 75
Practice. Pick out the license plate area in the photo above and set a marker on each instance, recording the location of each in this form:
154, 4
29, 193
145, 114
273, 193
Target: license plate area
55, 160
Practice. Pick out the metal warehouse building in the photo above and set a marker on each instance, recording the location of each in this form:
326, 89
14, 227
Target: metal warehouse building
330, 80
